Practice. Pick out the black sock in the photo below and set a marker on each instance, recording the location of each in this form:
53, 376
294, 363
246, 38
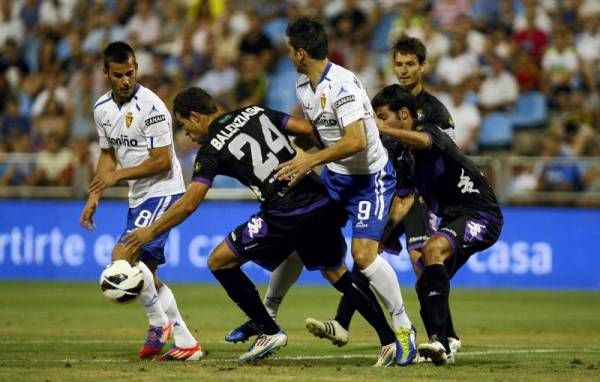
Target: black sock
346, 307
450, 332
367, 305
421, 288
438, 291
243, 292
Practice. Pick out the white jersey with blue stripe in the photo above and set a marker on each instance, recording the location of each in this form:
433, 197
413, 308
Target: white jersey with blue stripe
338, 100
134, 128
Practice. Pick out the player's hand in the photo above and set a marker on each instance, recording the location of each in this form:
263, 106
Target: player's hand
102, 181
296, 169
87, 215
135, 240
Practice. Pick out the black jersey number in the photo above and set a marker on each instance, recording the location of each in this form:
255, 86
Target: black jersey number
275, 141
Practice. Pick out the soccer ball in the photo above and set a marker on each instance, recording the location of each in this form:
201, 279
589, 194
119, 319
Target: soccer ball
121, 282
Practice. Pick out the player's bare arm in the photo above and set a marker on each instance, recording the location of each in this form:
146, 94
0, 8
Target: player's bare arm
413, 139
158, 161
107, 162
353, 141
177, 213
305, 133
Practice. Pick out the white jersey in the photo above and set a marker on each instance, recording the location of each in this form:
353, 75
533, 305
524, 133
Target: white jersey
132, 130
338, 100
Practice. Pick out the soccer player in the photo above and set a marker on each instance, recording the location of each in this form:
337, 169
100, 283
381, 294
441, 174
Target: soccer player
357, 174
248, 144
456, 190
135, 133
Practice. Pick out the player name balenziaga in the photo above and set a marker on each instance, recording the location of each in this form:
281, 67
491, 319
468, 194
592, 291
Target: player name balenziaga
238, 122
155, 119
344, 100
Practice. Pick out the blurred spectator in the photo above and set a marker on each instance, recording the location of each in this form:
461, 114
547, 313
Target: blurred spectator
18, 170
145, 24
220, 80
54, 16
81, 106
11, 26
350, 21
52, 121
54, 165
499, 90
446, 13
556, 175
365, 70
410, 21
560, 63
466, 118
12, 123
534, 13
527, 72
30, 14
83, 166
530, 37
255, 42
436, 42
52, 89
251, 87
457, 66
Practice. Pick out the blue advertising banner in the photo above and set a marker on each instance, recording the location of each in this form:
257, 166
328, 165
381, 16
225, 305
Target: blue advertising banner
42, 240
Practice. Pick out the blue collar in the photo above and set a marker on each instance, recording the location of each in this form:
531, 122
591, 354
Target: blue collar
133, 96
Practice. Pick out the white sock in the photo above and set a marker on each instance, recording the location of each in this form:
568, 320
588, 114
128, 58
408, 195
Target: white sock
384, 280
282, 279
183, 338
149, 299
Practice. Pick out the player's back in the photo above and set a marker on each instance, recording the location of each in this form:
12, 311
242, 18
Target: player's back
132, 130
337, 101
448, 180
248, 144
431, 110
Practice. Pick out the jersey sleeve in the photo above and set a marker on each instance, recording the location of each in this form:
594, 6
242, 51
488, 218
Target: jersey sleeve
103, 141
157, 126
437, 137
206, 166
437, 114
278, 118
347, 103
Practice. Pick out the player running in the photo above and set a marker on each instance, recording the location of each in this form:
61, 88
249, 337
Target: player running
456, 190
249, 144
135, 133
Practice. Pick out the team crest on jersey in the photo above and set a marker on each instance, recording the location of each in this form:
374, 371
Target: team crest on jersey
420, 114
450, 121
128, 119
197, 167
323, 101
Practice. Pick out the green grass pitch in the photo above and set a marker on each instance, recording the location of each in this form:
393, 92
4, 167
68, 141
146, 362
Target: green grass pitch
69, 332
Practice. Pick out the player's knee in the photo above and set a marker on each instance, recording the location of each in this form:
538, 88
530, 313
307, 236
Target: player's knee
436, 250
363, 258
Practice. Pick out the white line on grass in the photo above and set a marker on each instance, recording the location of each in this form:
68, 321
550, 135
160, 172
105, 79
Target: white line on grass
308, 357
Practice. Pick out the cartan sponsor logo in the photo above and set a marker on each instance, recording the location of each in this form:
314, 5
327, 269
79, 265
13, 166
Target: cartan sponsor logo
155, 119
123, 140
344, 100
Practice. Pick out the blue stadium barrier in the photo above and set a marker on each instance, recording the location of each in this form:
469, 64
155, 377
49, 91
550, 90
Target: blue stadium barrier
553, 248
531, 110
496, 131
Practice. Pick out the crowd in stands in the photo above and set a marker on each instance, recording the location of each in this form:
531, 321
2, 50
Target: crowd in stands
519, 77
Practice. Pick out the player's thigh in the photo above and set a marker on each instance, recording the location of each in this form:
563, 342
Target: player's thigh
223, 257
144, 215
319, 240
263, 239
418, 225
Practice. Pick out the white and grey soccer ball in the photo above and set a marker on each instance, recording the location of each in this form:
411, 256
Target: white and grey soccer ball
121, 282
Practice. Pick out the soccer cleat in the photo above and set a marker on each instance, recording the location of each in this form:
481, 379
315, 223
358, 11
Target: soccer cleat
435, 351
387, 355
264, 346
183, 354
243, 332
155, 340
407, 348
329, 329
454, 344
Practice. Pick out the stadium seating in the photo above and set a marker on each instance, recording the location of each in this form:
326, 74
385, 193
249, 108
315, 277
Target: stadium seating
496, 131
530, 110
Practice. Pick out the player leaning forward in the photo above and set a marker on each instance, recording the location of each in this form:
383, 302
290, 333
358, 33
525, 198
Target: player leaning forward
456, 190
135, 131
248, 144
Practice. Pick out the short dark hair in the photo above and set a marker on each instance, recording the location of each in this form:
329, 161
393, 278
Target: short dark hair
395, 97
117, 51
309, 35
411, 45
193, 99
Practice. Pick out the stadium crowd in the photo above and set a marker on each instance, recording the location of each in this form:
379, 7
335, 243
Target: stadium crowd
519, 77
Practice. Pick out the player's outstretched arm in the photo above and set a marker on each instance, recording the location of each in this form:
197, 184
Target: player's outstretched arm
353, 141
174, 215
107, 162
413, 139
